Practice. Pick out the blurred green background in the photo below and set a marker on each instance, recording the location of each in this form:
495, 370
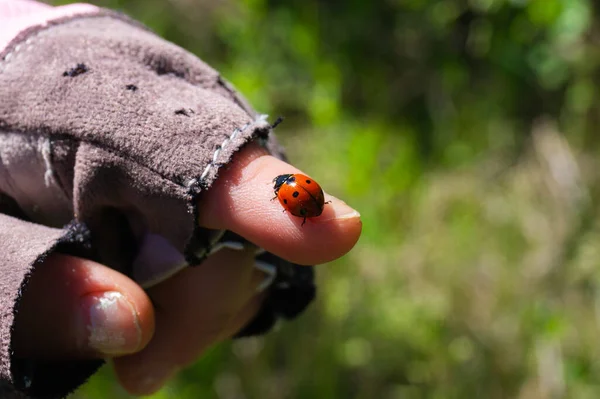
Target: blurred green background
466, 133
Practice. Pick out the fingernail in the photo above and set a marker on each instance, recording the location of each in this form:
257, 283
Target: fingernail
338, 210
112, 326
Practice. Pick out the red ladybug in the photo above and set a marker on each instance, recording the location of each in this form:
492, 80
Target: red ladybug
300, 195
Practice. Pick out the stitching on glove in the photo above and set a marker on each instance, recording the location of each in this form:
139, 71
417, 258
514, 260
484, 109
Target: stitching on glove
46, 151
202, 180
24, 46
270, 271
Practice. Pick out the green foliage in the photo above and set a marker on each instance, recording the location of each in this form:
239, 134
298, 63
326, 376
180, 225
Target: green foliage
465, 133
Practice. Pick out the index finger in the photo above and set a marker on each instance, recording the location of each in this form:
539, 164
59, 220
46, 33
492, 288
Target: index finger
240, 201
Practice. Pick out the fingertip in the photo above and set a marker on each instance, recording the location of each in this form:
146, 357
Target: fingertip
320, 240
142, 384
217, 291
336, 210
241, 201
118, 315
75, 308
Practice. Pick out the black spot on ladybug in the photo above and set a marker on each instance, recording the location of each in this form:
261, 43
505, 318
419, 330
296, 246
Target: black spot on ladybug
285, 201
295, 194
185, 112
308, 182
78, 70
303, 211
131, 87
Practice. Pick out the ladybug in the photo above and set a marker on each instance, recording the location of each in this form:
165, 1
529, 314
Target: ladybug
300, 195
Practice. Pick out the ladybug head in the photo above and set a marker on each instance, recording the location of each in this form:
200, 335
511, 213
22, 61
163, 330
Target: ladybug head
281, 180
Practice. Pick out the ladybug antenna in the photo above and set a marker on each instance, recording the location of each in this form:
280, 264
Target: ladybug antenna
277, 122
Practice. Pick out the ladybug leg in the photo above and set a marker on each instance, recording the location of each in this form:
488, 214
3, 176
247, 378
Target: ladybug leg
304, 221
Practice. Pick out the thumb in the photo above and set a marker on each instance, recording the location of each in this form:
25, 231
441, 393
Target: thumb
74, 308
